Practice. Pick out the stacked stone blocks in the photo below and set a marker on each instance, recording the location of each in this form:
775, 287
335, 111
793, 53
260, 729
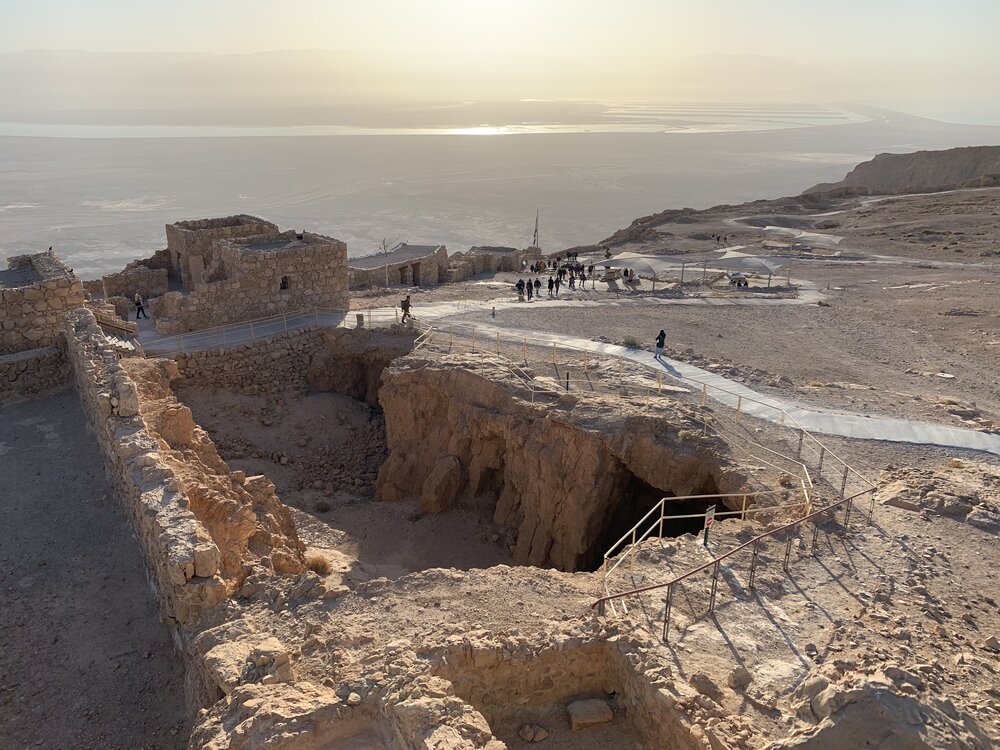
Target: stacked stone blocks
259, 277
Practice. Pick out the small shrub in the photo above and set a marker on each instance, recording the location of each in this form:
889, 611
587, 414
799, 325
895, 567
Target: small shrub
631, 342
317, 563
322, 506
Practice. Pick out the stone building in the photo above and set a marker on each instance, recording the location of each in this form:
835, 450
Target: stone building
191, 244
250, 276
139, 276
489, 259
36, 292
407, 265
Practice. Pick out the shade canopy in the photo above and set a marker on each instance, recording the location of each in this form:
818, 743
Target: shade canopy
644, 265
738, 261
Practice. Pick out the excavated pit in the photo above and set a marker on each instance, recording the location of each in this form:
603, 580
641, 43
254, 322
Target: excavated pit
321, 441
537, 691
383, 456
563, 481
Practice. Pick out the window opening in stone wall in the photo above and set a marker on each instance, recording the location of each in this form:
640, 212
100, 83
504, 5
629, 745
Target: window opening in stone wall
284, 282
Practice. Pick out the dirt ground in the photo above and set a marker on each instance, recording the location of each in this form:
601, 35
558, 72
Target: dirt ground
84, 660
899, 336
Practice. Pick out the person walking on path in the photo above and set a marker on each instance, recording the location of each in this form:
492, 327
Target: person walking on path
558, 284
529, 288
405, 305
140, 310
659, 344
538, 288
551, 285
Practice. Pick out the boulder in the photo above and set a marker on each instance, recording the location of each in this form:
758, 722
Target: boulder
587, 713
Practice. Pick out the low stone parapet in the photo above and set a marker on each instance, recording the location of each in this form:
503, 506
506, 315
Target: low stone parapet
183, 560
32, 372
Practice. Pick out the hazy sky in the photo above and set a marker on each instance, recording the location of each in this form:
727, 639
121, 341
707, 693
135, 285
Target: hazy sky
901, 30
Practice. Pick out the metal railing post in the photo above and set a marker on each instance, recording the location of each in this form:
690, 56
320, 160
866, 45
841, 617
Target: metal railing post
798, 451
666, 612
847, 514
788, 546
743, 513
843, 483
498, 342
822, 453
753, 562
704, 393
739, 407
715, 586
251, 331
663, 507
553, 352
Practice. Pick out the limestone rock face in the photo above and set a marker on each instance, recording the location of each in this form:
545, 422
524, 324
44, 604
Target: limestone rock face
961, 490
871, 714
923, 171
557, 473
441, 487
351, 361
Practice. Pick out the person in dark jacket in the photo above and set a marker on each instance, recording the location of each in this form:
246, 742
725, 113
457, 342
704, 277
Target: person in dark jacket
659, 344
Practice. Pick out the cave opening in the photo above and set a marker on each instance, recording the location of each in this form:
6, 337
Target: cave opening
636, 499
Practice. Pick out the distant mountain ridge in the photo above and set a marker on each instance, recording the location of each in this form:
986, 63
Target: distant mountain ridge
919, 172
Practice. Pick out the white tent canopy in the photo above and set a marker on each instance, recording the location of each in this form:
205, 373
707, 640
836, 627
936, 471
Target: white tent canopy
744, 262
645, 265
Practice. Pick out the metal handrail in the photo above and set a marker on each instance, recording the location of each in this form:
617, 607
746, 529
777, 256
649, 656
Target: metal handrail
717, 560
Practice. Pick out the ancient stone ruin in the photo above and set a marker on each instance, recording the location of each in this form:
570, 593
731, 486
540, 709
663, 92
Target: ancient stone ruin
359, 540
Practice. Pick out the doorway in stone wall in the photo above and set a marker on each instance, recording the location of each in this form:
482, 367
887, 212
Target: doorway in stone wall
416, 274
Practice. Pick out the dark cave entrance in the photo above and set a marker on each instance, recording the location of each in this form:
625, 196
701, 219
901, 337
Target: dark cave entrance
636, 499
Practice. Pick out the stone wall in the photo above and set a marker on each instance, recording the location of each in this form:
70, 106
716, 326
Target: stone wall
341, 360
560, 474
351, 361
504, 684
31, 315
301, 272
136, 277
187, 240
263, 367
431, 270
31, 372
201, 527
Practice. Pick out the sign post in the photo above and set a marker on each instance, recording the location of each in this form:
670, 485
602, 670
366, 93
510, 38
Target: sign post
709, 520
